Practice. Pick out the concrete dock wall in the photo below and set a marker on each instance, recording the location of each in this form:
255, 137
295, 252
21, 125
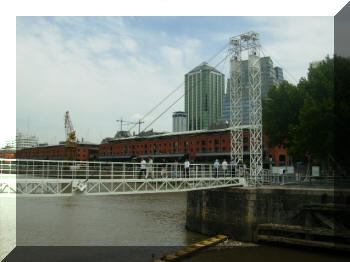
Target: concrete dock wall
237, 211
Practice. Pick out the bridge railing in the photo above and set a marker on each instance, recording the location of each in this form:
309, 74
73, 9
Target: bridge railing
49, 169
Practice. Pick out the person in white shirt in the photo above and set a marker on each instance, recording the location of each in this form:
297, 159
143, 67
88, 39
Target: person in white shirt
187, 168
224, 166
150, 168
143, 168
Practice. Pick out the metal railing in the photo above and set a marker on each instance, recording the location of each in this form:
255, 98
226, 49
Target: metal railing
27, 176
47, 169
66, 177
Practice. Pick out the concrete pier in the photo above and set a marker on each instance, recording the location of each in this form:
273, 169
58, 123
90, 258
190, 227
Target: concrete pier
237, 212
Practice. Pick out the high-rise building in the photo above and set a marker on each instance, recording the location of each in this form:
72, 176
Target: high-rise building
268, 79
179, 121
204, 91
226, 104
278, 74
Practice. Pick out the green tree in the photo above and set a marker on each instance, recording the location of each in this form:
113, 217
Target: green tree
314, 133
301, 118
281, 112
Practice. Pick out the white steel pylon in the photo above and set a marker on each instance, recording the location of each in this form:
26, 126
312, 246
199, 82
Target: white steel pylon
246, 42
235, 90
255, 115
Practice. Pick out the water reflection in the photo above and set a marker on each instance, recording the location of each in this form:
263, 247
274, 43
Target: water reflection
135, 220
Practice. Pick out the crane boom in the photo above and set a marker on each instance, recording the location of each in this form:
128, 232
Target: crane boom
71, 140
68, 125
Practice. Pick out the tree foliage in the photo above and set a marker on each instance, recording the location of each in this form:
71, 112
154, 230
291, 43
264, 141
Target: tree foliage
301, 118
281, 112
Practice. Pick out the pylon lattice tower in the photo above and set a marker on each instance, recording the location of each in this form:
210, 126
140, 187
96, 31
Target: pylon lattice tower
236, 113
248, 42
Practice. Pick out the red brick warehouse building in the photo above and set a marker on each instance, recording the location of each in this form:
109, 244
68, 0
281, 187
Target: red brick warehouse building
199, 146
85, 152
8, 153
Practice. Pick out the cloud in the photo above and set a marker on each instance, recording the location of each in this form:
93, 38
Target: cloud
173, 55
294, 42
99, 78
105, 68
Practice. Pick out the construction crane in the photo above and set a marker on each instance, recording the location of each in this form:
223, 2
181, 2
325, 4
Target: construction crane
70, 152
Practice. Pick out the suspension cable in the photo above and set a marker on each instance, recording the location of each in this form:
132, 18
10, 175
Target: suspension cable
177, 88
177, 100
275, 60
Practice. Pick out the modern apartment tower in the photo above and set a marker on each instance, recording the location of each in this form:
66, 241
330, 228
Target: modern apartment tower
179, 121
268, 79
279, 74
204, 92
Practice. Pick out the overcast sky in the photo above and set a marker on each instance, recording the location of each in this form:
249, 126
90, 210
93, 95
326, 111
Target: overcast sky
105, 68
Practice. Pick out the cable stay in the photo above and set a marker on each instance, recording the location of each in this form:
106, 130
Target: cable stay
177, 88
277, 62
177, 100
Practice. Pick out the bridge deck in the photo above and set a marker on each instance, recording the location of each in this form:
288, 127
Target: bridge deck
40, 177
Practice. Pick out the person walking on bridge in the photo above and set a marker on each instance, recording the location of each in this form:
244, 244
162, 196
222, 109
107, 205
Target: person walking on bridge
233, 167
143, 168
175, 169
187, 168
216, 168
150, 168
224, 166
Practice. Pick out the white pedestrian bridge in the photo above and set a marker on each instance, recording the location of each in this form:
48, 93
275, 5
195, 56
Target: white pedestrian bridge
46, 177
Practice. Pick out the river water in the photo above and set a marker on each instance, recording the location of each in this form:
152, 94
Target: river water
149, 221
120, 220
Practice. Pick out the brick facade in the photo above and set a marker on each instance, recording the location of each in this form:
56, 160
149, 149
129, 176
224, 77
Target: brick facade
85, 152
194, 145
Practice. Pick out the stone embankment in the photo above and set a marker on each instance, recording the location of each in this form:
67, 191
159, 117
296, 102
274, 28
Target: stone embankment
245, 214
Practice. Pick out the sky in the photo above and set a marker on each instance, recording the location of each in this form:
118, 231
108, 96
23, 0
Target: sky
105, 68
